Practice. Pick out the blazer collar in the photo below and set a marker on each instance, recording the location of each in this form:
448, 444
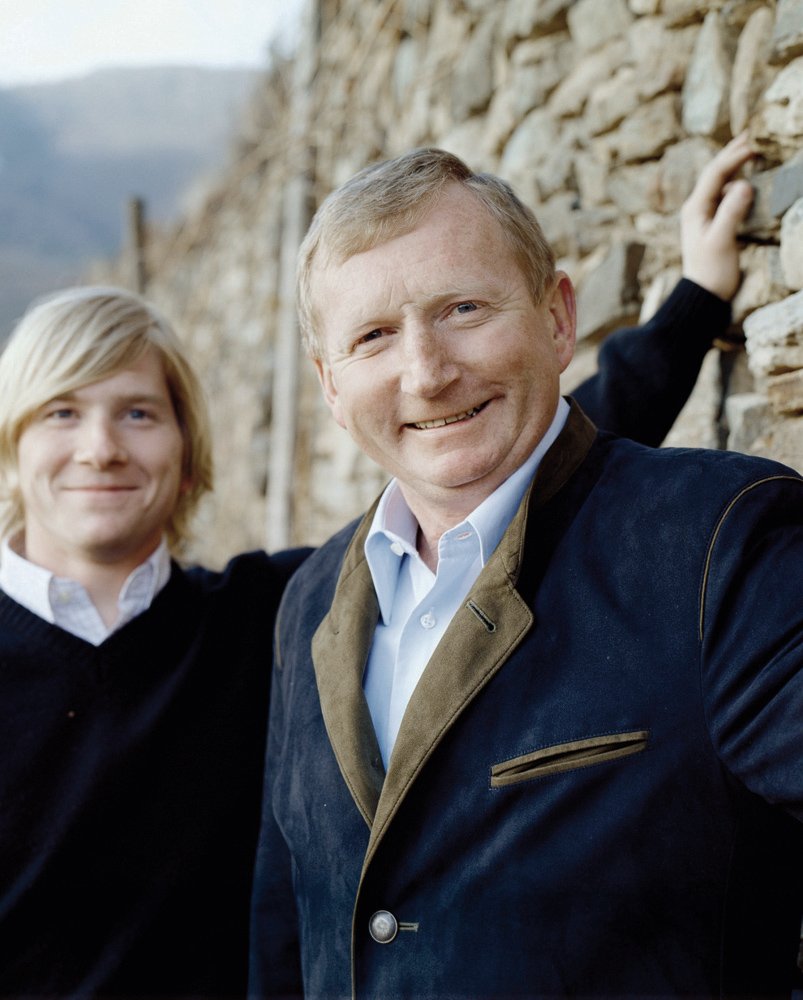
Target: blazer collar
479, 639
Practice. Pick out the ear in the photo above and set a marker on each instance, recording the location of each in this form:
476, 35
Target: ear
563, 310
327, 380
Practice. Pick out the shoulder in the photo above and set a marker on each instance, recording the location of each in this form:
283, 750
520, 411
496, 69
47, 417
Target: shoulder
250, 575
311, 590
673, 497
326, 562
683, 474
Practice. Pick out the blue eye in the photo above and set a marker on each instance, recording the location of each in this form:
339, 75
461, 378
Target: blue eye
466, 307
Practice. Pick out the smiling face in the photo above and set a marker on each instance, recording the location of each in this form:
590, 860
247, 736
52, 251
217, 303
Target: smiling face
437, 361
100, 471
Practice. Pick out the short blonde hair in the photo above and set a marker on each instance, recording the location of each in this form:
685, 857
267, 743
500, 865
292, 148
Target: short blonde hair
78, 336
388, 199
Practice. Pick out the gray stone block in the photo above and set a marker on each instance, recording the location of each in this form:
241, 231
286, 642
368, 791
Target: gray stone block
787, 39
609, 294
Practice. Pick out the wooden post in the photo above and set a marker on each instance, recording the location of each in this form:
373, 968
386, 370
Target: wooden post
135, 224
295, 219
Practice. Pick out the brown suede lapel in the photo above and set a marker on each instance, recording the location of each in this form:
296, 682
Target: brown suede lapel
340, 650
481, 636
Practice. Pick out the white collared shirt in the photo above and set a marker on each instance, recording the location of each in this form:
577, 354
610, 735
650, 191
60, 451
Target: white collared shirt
415, 604
67, 604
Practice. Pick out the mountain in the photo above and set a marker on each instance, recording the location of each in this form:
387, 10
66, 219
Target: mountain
73, 153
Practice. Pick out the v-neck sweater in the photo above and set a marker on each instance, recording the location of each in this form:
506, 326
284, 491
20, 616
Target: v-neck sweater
130, 789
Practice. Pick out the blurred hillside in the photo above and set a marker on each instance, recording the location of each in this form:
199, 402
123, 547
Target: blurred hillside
72, 154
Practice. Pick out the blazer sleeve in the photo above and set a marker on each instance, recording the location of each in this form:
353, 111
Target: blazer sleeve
274, 954
646, 373
751, 632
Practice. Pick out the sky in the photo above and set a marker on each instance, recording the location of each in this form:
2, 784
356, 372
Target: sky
46, 40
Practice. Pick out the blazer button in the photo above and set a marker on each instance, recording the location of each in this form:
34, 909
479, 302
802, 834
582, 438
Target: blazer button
383, 927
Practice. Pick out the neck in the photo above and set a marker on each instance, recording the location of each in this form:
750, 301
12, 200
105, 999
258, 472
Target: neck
434, 521
103, 584
103, 581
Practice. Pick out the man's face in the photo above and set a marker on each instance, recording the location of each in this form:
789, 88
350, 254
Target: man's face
435, 358
100, 471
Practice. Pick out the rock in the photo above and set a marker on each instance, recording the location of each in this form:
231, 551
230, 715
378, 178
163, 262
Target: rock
406, 69
592, 23
763, 280
591, 178
659, 55
634, 188
787, 185
473, 81
747, 416
785, 392
787, 39
792, 246
774, 337
641, 7
706, 91
528, 18
762, 221
537, 68
778, 128
570, 97
750, 75
783, 441
774, 191
647, 132
608, 297
679, 13
612, 101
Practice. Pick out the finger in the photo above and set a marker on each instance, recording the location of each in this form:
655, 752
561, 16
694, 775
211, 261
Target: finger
732, 209
720, 169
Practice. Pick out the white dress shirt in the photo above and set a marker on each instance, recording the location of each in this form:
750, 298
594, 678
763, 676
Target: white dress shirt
415, 604
67, 604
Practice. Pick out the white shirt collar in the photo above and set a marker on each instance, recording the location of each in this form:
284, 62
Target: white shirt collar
65, 603
394, 529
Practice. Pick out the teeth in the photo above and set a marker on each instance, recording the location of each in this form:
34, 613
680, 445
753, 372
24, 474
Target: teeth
426, 425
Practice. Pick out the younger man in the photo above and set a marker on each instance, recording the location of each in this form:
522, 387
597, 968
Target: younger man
132, 692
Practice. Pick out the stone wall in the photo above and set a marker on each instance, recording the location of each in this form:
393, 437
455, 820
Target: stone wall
600, 112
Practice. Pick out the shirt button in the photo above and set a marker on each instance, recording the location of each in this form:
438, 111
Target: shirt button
397, 548
428, 620
383, 927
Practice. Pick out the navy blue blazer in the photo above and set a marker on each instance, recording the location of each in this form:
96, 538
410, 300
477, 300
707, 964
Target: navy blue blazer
597, 787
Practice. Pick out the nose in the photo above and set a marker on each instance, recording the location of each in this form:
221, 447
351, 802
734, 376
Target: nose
429, 366
99, 444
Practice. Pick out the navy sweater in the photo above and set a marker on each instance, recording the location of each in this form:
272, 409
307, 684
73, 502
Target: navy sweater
129, 790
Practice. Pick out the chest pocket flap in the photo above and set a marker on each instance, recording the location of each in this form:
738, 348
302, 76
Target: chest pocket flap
568, 757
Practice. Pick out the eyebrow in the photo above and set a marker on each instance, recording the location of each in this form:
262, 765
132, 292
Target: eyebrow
128, 397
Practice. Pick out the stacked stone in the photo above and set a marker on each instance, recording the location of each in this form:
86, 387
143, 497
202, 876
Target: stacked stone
600, 112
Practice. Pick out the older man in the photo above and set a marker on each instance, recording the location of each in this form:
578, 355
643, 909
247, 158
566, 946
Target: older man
536, 718
134, 692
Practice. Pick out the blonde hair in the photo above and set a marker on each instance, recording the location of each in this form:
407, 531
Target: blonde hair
388, 199
78, 336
